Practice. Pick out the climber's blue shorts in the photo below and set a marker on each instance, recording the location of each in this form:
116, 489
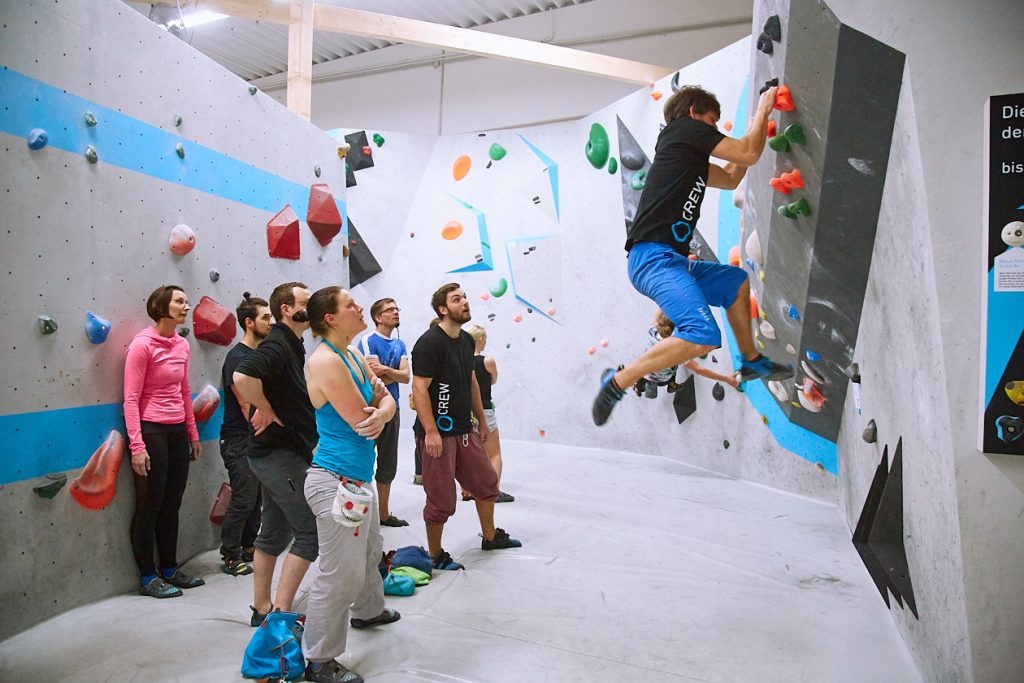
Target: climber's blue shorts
684, 289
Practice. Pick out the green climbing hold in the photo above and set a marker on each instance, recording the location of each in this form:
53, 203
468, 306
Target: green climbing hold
90, 154
378, 139
183, 331
90, 119
51, 485
348, 167
499, 289
638, 180
784, 210
496, 152
795, 134
253, 90
598, 146
780, 143
613, 165
177, 120
801, 207
179, 149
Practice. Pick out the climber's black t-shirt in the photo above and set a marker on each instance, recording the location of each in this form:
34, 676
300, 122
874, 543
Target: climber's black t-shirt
676, 182
449, 362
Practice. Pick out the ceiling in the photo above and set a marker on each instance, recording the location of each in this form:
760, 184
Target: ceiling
254, 50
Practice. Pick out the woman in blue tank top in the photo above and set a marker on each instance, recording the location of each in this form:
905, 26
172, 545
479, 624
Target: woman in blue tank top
352, 406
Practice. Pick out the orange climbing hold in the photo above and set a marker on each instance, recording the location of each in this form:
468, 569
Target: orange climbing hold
451, 230
734, 256
461, 167
656, 95
753, 306
779, 186
94, 488
727, 126
213, 323
205, 403
786, 182
773, 128
784, 99
322, 216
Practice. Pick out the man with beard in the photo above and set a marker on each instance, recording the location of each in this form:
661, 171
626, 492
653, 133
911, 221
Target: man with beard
242, 518
388, 359
445, 392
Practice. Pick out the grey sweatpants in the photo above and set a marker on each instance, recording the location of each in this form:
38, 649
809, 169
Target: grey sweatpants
348, 575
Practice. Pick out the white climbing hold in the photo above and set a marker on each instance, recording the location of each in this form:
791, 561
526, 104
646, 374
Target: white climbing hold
810, 372
767, 330
790, 350
753, 248
778, 390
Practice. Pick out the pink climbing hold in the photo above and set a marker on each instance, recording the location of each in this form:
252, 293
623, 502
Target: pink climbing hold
213, 323
205, 404
551, 311
604, 343
517, 318
94, 488
322, 216
283, 234
182, 239
734, 256
591, 350
485, 296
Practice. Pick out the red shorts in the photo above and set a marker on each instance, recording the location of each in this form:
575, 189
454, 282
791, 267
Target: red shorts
462, 459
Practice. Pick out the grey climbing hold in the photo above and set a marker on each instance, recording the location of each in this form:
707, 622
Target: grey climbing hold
183, 331
37, 138
253, 90
718, 392
90, 154
179, 149
90, 119
47, 325
177, 120
632, 158
316, 170
870, 434
214, 275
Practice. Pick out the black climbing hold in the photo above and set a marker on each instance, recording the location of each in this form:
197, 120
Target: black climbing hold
316, 170
533, 339
177, 120
675, 81
183, 331
769, 84
773, 28
51, 485
47, 325
179, 149
718, 392
725, 444
488, 164
870, 434
1009, 428
214, 275
90, 154
529, 310
764, 44
90, 119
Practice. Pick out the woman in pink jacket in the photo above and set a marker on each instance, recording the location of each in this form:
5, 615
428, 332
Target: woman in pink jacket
163, 439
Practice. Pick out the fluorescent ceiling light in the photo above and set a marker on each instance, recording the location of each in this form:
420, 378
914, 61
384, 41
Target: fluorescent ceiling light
201, 17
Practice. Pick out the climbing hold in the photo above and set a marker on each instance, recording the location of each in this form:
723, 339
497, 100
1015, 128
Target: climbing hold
725, 444
773, 28
90, 154
760, 344
343, 149
213, 323
37, 138
800, 207
204, 405
613, 166
795, 134
1009, 428
793, 313
182, 239
51, 485
734, 255
598, 147
90, 119
316, 170
184, 332
378, 139
484, 296
790, 180
773, 83
591, 350
496, 152
367, 150
177, 120
499, 289
810, 398
717, 392
778, 390
1014, 390
179, 149
753, 248
517, 318
253, 89
764, 44
96, 328
47, 325
94, 488
451, 230
779, 143
214, 275
778, 185
322, 216
412, 234
656, 95
727, 126
461, 167
870, 433
604, 343
639, 180
283, 234
551, 311
784, 99
542, 432
772, 128
764, 418
754, 308
812, 356
767, 330
811, 372
632, 158
790, 350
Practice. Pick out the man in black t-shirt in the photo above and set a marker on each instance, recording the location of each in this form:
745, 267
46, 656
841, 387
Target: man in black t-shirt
445, 393
242, 518
658, 243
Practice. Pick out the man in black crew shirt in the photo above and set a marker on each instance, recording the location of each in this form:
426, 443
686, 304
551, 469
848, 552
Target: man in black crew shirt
446, 393
271, 379
658, 243
242, 518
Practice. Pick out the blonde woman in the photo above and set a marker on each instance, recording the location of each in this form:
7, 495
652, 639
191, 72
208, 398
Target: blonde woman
487, 375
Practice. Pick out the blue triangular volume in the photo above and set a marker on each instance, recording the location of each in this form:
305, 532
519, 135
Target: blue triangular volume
486, 261
552, 168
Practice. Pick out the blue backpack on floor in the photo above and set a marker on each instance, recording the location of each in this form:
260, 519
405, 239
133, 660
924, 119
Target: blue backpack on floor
275, 650
412, 556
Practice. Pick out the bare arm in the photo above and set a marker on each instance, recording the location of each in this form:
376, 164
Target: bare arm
727, 177
699, 369
478, 409
492, 368
747, 150
251, 389
424, 411
242, 403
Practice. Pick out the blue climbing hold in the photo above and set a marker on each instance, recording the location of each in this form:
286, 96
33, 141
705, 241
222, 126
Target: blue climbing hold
813, 356
96, 328
37, 138
793, 313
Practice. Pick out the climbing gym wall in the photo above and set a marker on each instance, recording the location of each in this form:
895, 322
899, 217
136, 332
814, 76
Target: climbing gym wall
128, 163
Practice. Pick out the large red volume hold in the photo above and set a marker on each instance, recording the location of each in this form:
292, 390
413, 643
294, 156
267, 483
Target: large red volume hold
94, 488
213, 323
283, 234
205, 404
323, 216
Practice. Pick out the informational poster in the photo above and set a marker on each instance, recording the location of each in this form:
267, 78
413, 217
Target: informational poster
1002, 337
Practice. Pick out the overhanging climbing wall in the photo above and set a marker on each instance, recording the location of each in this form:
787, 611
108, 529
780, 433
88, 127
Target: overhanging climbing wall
818, 239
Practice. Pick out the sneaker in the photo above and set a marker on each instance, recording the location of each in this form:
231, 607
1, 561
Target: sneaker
236, 567
158, 588
331, 672
181, 580
466, 496
393, 521
444, 561
640, 386
763, 368
257, 617
504, 498
418, 480
607, 396
500, 542
386, 617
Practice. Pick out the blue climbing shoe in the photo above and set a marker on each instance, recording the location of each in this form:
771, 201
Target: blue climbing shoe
607, 396
444, 561
158, 588
763, 368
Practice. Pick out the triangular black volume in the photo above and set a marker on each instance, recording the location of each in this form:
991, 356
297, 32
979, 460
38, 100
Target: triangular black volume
361, 263
886, 536
867, 519
632, 160
357, 158
773, 28
685, 401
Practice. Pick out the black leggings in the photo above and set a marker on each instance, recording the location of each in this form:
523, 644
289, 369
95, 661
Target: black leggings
158, 495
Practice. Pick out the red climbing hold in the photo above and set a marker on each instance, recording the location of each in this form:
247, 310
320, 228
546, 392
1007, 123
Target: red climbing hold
784, 99
793, 180
367, 151
221, 503
204, 405
213, 323
779, 185
773, 128
94, 488
323, 216
283, 234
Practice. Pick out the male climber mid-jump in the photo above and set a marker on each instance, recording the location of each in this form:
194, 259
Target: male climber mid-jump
659, 244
